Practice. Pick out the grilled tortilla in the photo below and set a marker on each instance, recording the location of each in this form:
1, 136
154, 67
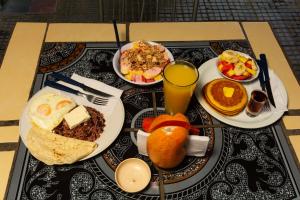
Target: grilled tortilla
53, 149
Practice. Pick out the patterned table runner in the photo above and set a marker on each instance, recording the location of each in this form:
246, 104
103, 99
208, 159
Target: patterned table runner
240, 163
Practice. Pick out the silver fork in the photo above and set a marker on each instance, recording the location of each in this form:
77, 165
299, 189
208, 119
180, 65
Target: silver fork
94, 99
91, 98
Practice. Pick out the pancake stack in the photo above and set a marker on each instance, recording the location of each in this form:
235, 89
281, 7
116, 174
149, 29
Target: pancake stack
226, 96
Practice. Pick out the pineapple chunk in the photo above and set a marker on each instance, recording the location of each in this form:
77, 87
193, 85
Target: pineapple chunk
158, 77
138, 72
243, 59
135, 45
251, 71
230, 73
220, 67
128, 76
246, 74
125, 69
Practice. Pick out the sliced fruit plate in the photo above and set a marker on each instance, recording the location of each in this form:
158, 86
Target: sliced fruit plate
142, 62
237, 66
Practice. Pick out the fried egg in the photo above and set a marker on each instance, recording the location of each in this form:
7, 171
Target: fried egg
47, 110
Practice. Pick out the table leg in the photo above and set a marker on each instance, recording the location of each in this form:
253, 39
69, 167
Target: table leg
195, 9
174, 10
157, 10
101, 11
123, 11
142, 11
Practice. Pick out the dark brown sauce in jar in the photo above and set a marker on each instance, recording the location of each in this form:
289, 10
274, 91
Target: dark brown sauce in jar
259, 96
256, 103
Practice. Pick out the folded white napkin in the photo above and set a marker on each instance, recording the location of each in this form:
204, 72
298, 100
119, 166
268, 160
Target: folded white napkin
98, 85
279, 93
109, 107
196, 145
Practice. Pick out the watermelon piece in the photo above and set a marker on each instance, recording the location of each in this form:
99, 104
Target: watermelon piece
239, 77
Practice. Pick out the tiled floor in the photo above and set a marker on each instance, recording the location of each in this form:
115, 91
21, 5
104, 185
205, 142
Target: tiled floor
283, 15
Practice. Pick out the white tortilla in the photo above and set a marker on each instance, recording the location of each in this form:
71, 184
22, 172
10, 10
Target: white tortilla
54, 149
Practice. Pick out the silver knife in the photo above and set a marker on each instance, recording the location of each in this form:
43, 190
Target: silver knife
264, 67
81, 85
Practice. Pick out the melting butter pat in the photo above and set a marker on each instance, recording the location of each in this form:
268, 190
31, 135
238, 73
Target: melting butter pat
77, 116
228, 91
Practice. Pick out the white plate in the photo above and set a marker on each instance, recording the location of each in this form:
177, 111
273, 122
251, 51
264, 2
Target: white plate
242, 81
113, 122
116, 65
208, 72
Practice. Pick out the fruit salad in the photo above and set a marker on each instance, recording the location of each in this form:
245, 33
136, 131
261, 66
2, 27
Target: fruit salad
144, 62
236, 66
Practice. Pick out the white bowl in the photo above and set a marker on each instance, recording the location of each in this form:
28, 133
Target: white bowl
242, 81
132, 175
116, 65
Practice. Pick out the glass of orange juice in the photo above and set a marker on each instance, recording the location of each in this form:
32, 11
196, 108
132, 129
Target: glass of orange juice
180, 78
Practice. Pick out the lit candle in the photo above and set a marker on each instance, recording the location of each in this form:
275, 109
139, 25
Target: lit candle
132, 175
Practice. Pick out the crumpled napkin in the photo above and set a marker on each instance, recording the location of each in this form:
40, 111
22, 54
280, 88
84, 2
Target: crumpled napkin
109, 107
196, 145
